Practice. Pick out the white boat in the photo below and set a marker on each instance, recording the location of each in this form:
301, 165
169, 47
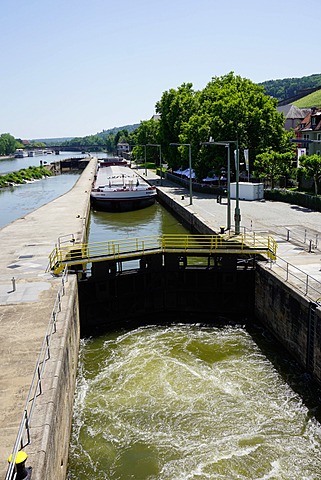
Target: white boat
118, 188
20, 153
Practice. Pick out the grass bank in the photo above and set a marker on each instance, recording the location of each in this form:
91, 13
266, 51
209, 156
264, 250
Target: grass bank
24, 175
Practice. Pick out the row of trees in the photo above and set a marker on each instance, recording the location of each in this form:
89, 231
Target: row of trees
282, 89
228, 108
100, 142
9, 144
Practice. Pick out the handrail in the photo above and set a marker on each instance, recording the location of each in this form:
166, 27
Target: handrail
309, 285
248, 243
23, 436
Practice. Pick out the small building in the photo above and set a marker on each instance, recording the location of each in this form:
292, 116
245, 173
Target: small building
248, 191
293, 115
122, 148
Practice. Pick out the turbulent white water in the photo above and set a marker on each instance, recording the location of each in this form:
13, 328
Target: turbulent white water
188, 402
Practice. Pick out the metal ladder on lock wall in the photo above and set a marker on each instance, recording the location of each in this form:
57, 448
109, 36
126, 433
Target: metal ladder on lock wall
311, 336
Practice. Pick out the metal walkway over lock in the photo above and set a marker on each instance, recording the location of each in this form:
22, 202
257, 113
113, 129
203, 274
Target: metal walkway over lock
186, 245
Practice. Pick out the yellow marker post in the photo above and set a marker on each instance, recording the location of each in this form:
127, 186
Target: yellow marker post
23, 473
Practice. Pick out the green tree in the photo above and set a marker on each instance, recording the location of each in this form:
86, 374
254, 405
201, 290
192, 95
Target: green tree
147, 132
176, 108
239, 109
272, 165
8, 144
228, 108
311, 168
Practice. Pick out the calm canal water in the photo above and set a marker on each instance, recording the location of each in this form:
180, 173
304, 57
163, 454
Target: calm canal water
15, 202
8, 165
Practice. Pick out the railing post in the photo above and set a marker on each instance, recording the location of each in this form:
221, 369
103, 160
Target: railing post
287, 271
307, 285
287, 234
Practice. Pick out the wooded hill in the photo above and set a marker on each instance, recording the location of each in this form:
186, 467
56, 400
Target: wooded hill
292, 89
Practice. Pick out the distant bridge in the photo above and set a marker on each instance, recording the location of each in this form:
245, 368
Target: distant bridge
74, 148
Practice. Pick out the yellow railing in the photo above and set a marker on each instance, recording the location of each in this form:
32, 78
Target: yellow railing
171, 243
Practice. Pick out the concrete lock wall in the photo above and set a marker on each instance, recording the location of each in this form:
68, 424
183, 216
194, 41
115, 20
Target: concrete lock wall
189, 219
286, 313
52, 418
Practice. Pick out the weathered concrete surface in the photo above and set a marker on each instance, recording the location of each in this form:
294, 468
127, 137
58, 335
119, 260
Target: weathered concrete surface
25, 312
52, 418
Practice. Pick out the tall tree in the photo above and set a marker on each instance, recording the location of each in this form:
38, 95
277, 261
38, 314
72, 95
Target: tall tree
228, 108
8, 144
175, 107
147, 132
272, 165
311, 167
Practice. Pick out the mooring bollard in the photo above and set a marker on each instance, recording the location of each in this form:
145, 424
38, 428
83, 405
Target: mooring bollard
23, 473
13, 284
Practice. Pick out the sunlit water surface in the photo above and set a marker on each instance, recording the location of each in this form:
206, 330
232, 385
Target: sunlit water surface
18, 201
187, 402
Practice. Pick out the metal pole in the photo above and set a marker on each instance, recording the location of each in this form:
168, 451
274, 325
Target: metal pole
190, 167
160, 156
237, 207
160, 163
228, 187
145, 161
190, 175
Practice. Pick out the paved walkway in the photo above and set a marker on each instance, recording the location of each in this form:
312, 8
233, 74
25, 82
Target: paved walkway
301, 225
25, 310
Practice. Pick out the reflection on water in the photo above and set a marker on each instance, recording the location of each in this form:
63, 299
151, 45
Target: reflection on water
8, 165
15, 202
154, 220
187, 402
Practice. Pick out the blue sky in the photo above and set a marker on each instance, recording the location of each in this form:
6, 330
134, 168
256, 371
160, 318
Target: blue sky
76, 67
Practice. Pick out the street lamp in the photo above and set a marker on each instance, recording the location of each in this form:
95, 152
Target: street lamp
140, 145
145, 160
190, 167
237, 213
160, 156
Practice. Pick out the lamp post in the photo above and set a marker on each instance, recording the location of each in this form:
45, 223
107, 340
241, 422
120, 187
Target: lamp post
140, 145
160, 156
237, 213
190, 167
145, 160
